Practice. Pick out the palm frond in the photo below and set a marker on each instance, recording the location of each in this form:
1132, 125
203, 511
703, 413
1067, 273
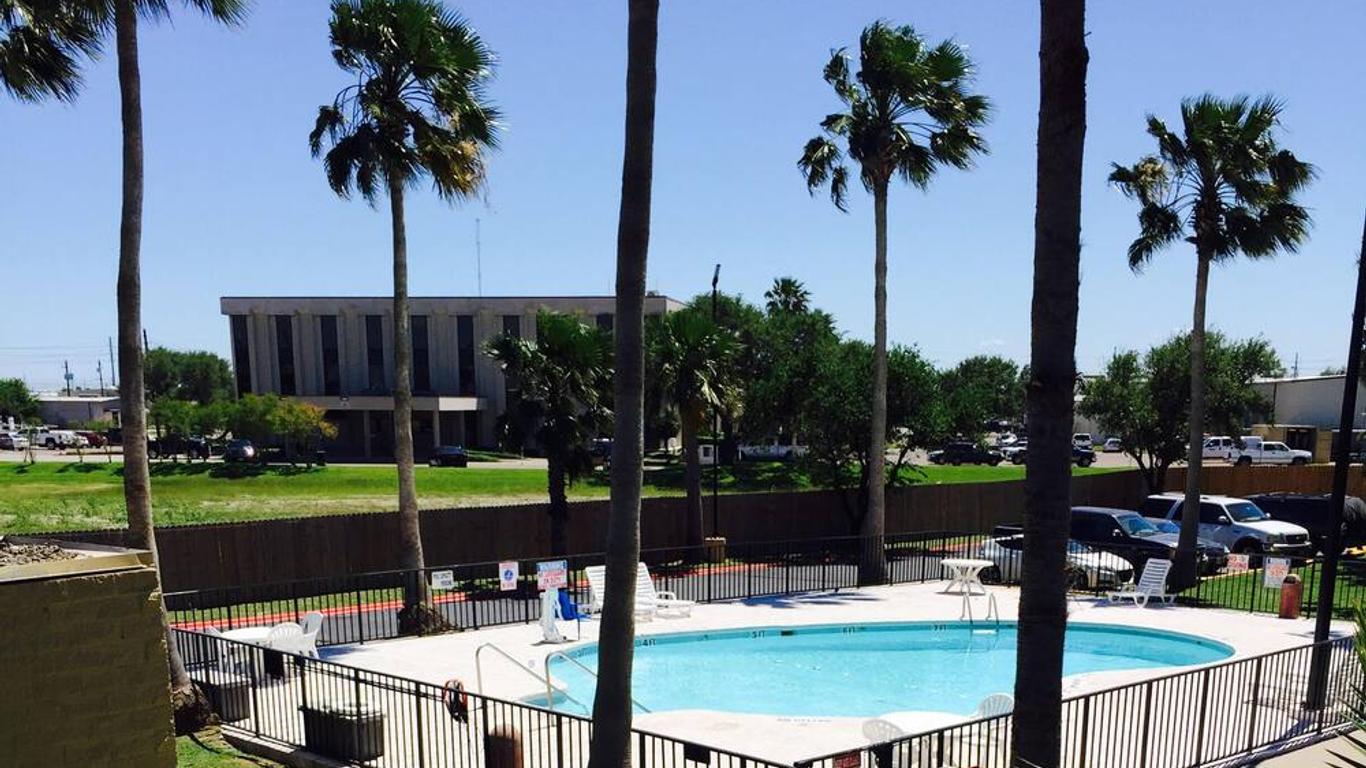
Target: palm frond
42, 43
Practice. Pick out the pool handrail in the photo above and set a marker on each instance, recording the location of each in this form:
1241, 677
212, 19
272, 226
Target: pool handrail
582, 666
550, 687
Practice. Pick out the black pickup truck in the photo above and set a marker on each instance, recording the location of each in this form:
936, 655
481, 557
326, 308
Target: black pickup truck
1312, 512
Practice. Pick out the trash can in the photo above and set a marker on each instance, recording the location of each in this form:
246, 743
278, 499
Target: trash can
349, 731
716, 549
1292, 593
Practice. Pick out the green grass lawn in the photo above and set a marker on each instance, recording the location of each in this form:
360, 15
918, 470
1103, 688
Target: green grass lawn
61, 496
213, 752
1241, 590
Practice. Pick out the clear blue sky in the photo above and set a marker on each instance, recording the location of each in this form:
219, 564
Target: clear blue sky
235, 204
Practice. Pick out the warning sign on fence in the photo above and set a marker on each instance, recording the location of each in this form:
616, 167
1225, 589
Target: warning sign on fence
552, 574
1237, 563
1277, 568
443, 580
507, 576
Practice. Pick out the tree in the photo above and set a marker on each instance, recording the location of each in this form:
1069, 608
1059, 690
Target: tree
1035, 734
202, 377
300, 425
981, 388
1145, 401
837, 419
788, 294
417, 109
610, 744
782, 358
563, 384
174, 421
908, 112
691, 356
41, 45
1224, 186
16, 401
251, 417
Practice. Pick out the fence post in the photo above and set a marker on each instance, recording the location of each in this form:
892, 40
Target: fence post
360, 623
417, 708
1147, 722
1256, 699
1200, 721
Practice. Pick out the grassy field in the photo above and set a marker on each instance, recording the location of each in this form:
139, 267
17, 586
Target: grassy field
57, 496
212, 752
1239, 590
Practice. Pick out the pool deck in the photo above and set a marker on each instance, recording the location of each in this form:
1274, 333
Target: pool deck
440, 658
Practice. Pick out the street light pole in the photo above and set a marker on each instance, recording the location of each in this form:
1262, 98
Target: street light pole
1323, 612
715, 455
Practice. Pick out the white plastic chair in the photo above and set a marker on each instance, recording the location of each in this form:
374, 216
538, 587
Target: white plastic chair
285, 636
312, 625
1151, 585
597, 588
665, 602
995, 705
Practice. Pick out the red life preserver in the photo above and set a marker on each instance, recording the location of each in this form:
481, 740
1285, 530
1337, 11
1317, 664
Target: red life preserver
456, 700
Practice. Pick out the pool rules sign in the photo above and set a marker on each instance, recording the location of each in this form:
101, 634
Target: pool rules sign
507, 576
552, 574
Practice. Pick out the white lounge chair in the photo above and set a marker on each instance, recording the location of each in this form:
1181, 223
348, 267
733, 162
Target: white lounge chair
649, 602
995, 705
312, 625
1152, 585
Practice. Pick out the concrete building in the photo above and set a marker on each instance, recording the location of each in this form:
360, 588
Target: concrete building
1314, 401
79, 408
337, 353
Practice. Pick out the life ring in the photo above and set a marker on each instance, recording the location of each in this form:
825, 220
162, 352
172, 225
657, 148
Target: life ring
457, 701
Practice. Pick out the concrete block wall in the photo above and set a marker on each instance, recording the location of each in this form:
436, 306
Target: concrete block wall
83, 670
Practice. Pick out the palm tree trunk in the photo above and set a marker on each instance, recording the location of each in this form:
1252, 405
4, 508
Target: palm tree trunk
692, 479
611, 741
191, 707
417, 615
1190, 508
1052, 365
559, 504
872, 564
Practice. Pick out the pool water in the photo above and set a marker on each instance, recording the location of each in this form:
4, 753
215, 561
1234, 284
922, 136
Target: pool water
860, 670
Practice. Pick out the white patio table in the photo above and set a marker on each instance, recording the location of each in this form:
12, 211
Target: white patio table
963, 573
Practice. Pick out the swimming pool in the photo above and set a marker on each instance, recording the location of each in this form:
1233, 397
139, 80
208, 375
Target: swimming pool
860, 670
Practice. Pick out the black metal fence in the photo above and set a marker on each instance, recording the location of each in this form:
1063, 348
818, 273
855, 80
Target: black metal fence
360, 717
1200, 717
364, 607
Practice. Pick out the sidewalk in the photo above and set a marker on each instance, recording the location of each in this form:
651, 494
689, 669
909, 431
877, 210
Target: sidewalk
1315, 756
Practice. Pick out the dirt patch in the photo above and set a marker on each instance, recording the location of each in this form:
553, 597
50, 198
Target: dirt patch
23, 554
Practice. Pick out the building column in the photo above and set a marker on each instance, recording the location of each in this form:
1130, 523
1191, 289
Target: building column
436, 428
365, 433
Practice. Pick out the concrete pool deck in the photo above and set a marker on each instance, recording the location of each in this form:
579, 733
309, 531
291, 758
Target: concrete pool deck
786, 739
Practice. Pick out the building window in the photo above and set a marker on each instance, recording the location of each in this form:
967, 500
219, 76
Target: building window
512, 325
284, 351
241, 354
374, 352
331, 361
605, 321
422, 370
464, 341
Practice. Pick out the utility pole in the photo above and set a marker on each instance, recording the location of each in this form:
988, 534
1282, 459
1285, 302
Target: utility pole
715, 427
478, 261
1323, 612
99, 370
113, 367
145, 348
66, 376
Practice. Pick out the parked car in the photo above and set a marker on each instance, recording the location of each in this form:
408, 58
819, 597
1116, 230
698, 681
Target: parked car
963, 452
1314, 513
1218, 447
1007, 439
1113, 445
1082, 440
449, 456
770, 451
1083, 457
1238, 524
174, 445
1090, 568
13, 441
1016, 453
239, 451
49, 437
1268, 452
95, 439
1131, 536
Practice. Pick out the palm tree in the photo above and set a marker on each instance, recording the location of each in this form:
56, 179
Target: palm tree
191, 707
1052, 376
563, 378
610, 746
691, 355
1225, 187
41, 43
788, 294
907, 112
417, 108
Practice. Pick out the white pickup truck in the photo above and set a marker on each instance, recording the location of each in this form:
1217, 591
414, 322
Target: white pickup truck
58, 438
1258, 451
771, 451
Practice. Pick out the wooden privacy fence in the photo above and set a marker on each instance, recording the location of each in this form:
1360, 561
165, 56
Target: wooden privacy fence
1229, 480
259, 551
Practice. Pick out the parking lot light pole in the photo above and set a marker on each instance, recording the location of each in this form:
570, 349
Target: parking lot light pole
1323, 612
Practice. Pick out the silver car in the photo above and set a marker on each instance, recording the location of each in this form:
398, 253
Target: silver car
13, 441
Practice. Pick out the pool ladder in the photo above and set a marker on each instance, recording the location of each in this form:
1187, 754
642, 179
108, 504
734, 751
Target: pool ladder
993, 611
582, 666
550, 688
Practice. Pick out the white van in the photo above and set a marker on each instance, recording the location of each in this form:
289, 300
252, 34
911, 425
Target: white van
1219, 447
